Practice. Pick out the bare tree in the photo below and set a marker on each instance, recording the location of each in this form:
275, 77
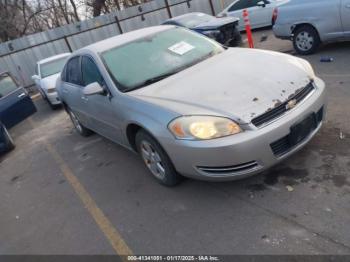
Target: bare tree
21, 17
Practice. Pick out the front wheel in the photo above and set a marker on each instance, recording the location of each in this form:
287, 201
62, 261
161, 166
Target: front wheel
306, 40
82, 130
156, 160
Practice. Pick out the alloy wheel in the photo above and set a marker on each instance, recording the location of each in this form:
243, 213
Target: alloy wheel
75, 121
152, 160
304, 41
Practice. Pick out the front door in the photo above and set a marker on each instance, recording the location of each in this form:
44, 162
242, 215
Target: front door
101, 108
15, 103
258, 15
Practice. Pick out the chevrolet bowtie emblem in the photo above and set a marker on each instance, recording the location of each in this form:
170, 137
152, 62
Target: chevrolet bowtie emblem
291, 104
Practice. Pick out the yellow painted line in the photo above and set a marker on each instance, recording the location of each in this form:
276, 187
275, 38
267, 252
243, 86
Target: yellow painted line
110, 232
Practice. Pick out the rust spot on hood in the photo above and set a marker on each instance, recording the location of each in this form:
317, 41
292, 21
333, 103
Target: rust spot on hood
277, 102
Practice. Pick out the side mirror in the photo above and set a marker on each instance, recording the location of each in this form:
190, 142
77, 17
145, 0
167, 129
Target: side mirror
261, 4
35, 77
93, 89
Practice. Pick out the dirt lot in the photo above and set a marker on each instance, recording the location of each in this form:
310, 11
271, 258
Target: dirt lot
64, 194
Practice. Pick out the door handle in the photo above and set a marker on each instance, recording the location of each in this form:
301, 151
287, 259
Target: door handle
22, 95
84, 98
65, 90
348, 6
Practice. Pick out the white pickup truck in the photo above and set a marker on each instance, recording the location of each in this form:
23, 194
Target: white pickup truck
312, 22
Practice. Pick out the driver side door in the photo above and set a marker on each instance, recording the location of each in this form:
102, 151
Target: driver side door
101, 108
258, 16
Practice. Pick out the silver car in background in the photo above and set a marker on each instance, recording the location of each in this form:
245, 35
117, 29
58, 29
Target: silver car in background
190, 106
312, 22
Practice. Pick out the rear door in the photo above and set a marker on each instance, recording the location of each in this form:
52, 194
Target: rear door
15, 103
101, 108
345, 17
72, 90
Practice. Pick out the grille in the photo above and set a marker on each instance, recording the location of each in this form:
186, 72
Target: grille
281, 109
230, 169
227, 32
283, 145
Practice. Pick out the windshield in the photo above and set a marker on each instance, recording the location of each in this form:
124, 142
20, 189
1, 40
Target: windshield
194, 20
150, 59
7, 85
52, 67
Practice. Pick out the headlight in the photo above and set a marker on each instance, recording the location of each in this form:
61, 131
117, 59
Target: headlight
308, 68
202, 127
211, 33
51, 90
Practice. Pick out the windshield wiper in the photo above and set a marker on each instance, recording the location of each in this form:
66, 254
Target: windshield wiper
152, 80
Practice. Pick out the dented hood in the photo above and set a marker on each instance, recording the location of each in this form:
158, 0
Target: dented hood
238, 83
216, 23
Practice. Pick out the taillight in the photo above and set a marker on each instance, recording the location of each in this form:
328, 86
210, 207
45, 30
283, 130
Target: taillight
274, 15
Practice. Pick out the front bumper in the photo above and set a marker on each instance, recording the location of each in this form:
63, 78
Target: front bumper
53, 98
247, 153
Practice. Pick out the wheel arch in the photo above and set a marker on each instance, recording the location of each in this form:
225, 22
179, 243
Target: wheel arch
299, 25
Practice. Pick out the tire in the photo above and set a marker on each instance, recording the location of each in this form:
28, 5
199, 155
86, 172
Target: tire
156, 160
82, 130
9, 144
52, 106
306, 40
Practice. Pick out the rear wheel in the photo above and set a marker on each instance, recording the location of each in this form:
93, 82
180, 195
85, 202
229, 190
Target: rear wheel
10, 145
52, 106
82, 130
156, 160
306, 40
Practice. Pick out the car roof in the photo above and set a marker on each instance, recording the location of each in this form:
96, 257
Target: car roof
122, 39
52, 58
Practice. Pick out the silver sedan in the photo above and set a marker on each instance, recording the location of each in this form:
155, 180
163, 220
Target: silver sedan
190, 106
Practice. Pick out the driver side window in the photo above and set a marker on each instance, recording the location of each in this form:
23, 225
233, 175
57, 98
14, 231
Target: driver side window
240, 4
90, 72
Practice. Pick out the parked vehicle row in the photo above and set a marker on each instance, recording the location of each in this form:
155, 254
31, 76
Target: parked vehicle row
15, 106
185, 103
188, 108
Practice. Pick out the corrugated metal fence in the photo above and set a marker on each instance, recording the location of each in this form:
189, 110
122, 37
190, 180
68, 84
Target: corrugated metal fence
20, 55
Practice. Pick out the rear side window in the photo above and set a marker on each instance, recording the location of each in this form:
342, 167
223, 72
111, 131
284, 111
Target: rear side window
73, 74
7, 85
90, 72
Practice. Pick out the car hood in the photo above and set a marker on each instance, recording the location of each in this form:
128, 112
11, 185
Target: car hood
49, 82
216, 23
239, 83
